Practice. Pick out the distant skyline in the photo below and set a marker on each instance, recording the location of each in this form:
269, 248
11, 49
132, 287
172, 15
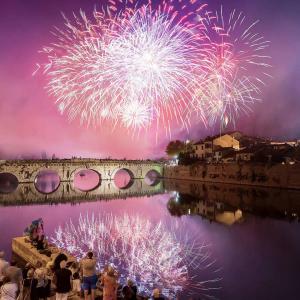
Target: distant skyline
30, 122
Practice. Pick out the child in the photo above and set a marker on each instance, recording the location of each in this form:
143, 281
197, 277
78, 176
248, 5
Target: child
76, 286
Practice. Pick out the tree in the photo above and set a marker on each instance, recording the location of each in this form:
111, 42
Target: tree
185, 159
175, 147
297, 154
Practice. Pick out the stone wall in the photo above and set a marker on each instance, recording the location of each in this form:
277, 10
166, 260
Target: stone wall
280, 176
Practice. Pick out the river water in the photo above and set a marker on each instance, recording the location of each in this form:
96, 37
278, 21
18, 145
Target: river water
192, 240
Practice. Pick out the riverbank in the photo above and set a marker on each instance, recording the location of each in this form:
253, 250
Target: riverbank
265, 175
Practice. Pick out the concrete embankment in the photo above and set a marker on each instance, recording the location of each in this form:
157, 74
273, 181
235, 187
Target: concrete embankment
277, 176
28, 253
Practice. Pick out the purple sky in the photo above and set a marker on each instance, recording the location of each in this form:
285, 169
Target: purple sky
30, 122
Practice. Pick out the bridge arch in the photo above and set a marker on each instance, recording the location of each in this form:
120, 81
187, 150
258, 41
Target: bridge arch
8, 183
123, 178
86, 179
152, 177
47, 181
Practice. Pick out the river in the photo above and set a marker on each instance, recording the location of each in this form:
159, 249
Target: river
193, 240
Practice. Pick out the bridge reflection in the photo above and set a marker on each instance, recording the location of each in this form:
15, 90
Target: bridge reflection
27, 193
222, 203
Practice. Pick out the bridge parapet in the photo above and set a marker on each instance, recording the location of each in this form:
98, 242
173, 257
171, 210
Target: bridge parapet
27, 170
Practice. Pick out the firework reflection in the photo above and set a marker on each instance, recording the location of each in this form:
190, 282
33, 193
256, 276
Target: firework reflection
154, 255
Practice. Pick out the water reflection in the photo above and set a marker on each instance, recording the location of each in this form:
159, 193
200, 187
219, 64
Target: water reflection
8, 183
229, 204
258, 248
223, 203
152, 177
220, 212
161, 254
47, 181
87, 180
123, 179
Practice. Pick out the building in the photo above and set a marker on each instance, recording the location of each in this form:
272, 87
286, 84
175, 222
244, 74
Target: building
229, 157
284, 145
227, 141
198, 150
245, 154
217, 212
211, 149
235, 146
221, 153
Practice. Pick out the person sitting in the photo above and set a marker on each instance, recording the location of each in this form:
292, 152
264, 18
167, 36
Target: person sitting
34, 237
41, 243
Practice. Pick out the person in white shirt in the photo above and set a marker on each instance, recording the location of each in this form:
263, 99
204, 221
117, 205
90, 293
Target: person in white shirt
8, 290
76, 284
3, 265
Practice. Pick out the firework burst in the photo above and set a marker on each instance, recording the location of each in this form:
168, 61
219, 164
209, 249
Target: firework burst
143, 65
123, 59
238, 68
152, 255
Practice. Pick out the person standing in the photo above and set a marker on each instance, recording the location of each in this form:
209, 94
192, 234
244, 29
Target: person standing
110, 284
88, 272
60, 257
3, 265
9, 289
76, 284
130, 290
157, 295
63, 281
39, 286
27, 284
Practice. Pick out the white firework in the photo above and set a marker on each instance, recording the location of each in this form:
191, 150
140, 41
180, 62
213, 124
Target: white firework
238, 68
151, 254
140, 56
135, 115
138, 65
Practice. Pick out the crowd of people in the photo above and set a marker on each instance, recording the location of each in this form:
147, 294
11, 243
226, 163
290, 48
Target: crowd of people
62, 280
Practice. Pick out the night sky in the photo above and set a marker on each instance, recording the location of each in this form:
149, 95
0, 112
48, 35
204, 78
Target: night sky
30, 122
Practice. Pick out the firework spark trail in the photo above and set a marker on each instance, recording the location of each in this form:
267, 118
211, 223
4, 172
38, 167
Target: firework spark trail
129, 66
239, 65
141, 65
152, 255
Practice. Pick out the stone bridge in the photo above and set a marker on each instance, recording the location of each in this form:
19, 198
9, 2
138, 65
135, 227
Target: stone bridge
27, 194
26, 171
